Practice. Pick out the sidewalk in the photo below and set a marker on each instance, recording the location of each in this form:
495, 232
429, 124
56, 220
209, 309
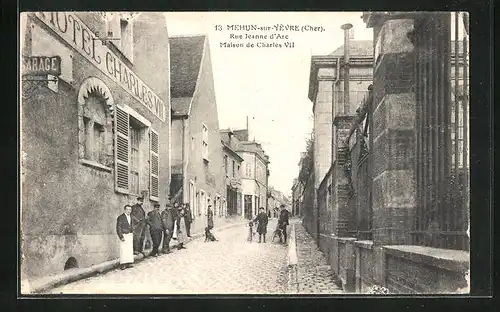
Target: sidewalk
309, 272
42, 285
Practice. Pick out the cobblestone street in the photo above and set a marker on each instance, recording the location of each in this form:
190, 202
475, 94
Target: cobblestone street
230, 266
314, 275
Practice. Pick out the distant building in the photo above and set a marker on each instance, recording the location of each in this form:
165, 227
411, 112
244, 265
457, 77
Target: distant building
198, 176
232, 167
297, 197
254, 175
94, 140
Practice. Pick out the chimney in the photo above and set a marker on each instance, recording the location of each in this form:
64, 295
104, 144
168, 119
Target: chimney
346, 28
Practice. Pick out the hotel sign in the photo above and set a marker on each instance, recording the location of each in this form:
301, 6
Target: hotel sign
42, 65
72, 30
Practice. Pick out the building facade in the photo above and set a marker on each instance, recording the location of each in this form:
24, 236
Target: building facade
326, 91
198, 174
232, 167
254, 175
93, 140
297, 197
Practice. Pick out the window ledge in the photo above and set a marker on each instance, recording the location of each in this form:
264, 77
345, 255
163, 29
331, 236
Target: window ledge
95, 165
446, 259
366, 244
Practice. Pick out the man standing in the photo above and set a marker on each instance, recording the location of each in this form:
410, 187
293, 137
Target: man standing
139, 215
283, 221
155, 228
167, 220
124, 229
262, 220
188, 219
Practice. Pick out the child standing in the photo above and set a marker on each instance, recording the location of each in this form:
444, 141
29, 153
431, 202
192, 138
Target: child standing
250, 231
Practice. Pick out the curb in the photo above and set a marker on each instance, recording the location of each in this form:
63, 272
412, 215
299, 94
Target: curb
42, 285
292, 262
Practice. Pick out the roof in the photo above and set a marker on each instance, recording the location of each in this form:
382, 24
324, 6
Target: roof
180, 106
356, 48
185, 61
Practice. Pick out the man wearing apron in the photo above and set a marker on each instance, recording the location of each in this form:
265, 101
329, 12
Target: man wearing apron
125, 231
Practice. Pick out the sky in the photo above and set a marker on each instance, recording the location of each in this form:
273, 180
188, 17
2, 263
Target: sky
269, 85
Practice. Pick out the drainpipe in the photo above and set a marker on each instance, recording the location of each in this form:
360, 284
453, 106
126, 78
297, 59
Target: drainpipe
335, 82
184, 160
346, 28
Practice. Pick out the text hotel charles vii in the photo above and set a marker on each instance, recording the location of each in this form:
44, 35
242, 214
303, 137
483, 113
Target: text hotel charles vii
95, 139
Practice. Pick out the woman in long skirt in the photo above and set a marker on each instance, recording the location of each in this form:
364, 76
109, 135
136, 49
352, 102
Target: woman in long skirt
181, 228
125, 231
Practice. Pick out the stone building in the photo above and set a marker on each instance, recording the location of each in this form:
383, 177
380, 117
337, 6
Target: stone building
393, 209
326, 91
198, 174
297, 197
333, 110
232, 167
93, 140
254, 175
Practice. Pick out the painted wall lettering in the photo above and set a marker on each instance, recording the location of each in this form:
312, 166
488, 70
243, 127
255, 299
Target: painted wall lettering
72, 30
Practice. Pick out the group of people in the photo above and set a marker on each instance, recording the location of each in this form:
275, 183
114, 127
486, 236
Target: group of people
263, 218
174, 222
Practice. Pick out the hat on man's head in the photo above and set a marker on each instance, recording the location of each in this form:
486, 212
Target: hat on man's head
140, 198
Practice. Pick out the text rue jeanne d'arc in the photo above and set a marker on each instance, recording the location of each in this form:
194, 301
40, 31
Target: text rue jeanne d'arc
263, 36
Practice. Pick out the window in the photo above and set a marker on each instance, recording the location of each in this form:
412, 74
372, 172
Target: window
95, 135
120, 27
135, 134
126, 38
225, 164
248, 172
233, 167
205, 142
132, 151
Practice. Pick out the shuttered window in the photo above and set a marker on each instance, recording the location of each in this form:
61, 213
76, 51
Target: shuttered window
122, 151
154, 168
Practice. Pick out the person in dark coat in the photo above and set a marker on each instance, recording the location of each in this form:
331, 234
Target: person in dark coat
210, 217
139, 215
155, 228
188, 219
283, 221
262, 220
167, 220
124, 229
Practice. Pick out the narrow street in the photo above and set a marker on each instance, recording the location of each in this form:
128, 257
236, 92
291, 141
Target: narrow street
230, 266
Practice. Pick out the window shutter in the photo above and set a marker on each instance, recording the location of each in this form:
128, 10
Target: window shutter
122, 153
154, 167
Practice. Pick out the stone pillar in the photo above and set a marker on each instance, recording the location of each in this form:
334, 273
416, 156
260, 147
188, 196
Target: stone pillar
393, 187
342, 217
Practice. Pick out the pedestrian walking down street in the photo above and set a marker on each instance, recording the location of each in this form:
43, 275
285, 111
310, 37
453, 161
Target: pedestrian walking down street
175, 214
188, 219
125, 229
167, 220
139, 215
262, 220
283, 222
210, 218
181, 227
155, 228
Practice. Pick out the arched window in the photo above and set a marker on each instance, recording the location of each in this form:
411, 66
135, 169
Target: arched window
95, 108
